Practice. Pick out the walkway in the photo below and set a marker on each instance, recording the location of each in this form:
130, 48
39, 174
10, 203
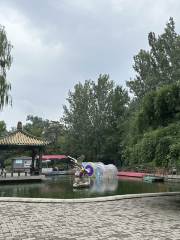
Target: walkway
152, 218
20, 178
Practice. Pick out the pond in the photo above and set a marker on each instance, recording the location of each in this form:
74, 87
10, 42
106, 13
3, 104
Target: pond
61, 187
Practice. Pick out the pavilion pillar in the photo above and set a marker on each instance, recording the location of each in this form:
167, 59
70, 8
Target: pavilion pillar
40, 161
32, 164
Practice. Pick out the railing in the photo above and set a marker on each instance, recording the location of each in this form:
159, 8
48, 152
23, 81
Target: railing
13, 174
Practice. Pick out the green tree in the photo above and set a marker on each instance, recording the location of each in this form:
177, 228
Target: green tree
93, 119
159, 108
158, 66
3, 130
5, 64
36, 125
54, 133
101, 114
154, 135
78, 119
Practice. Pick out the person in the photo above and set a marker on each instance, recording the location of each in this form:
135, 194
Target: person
3, 171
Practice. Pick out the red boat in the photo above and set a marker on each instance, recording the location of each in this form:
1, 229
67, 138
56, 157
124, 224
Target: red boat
131, 174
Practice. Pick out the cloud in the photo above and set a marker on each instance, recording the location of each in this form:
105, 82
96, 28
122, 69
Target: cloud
59, 43
31, 68
29, 41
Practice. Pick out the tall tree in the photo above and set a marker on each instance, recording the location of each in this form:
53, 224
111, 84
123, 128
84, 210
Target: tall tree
5, 64
102, 112
3, 129
78, 118
92, 118
158, 66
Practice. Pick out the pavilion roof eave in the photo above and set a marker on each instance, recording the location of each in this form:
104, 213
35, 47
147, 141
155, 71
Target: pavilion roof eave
22, 139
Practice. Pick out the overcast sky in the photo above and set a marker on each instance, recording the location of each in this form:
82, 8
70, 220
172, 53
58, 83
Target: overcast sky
58, 43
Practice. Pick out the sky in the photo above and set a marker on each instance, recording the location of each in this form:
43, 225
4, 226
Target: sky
58, 43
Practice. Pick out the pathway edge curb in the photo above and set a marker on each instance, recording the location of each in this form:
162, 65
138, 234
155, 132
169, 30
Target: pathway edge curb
87, 200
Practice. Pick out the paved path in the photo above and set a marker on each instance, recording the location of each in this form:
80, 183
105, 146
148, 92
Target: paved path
142, 218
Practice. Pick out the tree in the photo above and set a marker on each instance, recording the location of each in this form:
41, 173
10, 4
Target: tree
5, 64
101, 114
78, 119
54, 133
3, 130
93, 119
159, 108
154, 135
36, 125
158, 66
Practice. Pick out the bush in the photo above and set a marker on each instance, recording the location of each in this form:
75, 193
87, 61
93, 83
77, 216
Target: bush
160, 147
159, 108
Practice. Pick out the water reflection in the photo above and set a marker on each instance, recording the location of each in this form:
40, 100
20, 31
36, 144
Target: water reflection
62, 187
104, 185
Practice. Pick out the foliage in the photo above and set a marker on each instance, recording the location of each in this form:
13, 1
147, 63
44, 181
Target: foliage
160, 146
3, 130
158, 66
93, 117
159, 108
52, 131
100, 122
36, 125
5, 64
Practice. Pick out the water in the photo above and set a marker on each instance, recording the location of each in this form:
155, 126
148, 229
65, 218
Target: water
61, 187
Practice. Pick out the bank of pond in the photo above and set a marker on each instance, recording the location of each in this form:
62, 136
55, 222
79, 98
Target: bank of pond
62, 187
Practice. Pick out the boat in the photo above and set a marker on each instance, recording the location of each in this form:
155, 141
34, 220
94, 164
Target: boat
131, 174
150, 178
82, 183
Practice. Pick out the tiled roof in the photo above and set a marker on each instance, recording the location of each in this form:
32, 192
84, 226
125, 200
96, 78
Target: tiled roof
22, 138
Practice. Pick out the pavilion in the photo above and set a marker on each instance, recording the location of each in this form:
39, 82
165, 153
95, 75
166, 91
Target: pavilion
24, 141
